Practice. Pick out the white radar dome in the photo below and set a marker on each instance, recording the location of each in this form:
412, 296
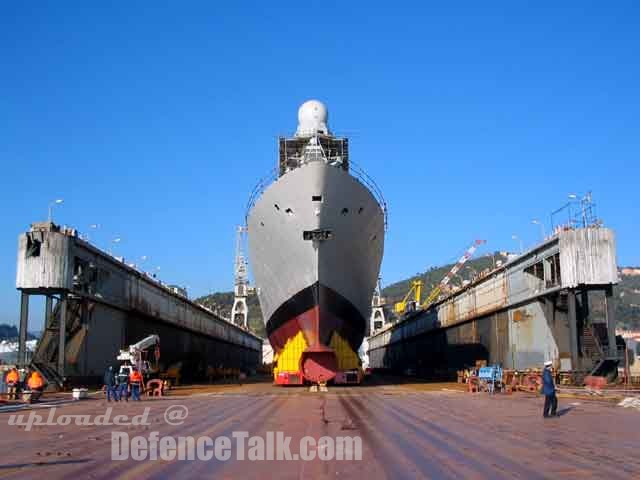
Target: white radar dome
312, 119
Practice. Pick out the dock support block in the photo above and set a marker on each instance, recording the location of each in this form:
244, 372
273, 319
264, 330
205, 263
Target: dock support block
63, 334
24, 325
611, 320
573, 329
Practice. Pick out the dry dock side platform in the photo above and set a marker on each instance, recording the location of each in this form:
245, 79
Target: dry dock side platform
407, 431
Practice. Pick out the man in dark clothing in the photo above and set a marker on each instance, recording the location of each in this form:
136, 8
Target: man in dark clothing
549, 391
110, 383
122, 380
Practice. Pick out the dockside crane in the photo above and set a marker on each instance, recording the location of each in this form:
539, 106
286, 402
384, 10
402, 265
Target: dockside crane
240, 309
406, 304
378, 304
416, 286
134, 355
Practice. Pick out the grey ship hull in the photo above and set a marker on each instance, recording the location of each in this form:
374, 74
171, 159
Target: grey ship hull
319, 287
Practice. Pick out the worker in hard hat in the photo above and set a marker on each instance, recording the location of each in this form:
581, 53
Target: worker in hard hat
135, 379
12, 379
35, 382
122, 382
549, 391
110, 384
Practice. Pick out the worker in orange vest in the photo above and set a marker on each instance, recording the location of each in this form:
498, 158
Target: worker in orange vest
35, 382
135, 379
12, 379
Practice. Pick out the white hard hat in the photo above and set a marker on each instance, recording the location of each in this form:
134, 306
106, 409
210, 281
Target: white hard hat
548, 363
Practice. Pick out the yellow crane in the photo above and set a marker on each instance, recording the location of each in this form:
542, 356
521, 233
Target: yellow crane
416, 289
416, 285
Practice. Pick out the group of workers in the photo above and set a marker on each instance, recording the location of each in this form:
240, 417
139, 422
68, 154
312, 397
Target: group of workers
119, 384
16, 382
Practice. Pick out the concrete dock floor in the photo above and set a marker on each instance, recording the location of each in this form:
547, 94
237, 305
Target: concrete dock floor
407, 431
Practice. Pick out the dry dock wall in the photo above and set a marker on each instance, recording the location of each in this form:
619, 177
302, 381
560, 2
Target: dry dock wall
107, 305
551, 303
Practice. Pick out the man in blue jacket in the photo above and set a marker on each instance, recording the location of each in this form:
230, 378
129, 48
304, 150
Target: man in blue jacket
549, 391
110, 384
122, 381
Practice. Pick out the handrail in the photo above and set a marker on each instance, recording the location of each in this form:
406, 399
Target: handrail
356, 171
360, 174
257, 191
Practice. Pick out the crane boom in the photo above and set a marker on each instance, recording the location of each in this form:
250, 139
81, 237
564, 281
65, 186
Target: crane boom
134, 354
144, 343
435, 293
416, 285
416, 289
463, 259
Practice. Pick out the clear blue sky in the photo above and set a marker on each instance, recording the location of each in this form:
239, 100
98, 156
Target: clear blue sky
155, 119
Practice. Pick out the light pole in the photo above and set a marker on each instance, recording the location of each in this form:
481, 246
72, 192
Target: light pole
114, 242
535, 221
493, 259
143, 259
58, 201
93, 226
515, 237
572, 198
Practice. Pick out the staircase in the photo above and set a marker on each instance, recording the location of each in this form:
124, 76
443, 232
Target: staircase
47, 349
590, 345
45, 358
592, 348
606, 368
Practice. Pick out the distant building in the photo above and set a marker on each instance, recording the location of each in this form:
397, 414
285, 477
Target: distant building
178, 290
632, 340
9, 351
630, 271
267, 353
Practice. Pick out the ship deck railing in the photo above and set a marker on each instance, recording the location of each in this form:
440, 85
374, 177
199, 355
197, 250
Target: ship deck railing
356, 171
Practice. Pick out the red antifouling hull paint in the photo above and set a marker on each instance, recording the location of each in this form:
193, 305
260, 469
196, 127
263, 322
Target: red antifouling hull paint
319, 364
319, 313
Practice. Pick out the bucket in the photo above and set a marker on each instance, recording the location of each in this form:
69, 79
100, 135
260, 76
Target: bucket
80, 393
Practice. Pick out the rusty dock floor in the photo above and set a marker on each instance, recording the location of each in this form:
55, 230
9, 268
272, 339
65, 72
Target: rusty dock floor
407, 431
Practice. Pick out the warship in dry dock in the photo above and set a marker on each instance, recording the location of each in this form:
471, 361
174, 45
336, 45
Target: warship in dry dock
316, 239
